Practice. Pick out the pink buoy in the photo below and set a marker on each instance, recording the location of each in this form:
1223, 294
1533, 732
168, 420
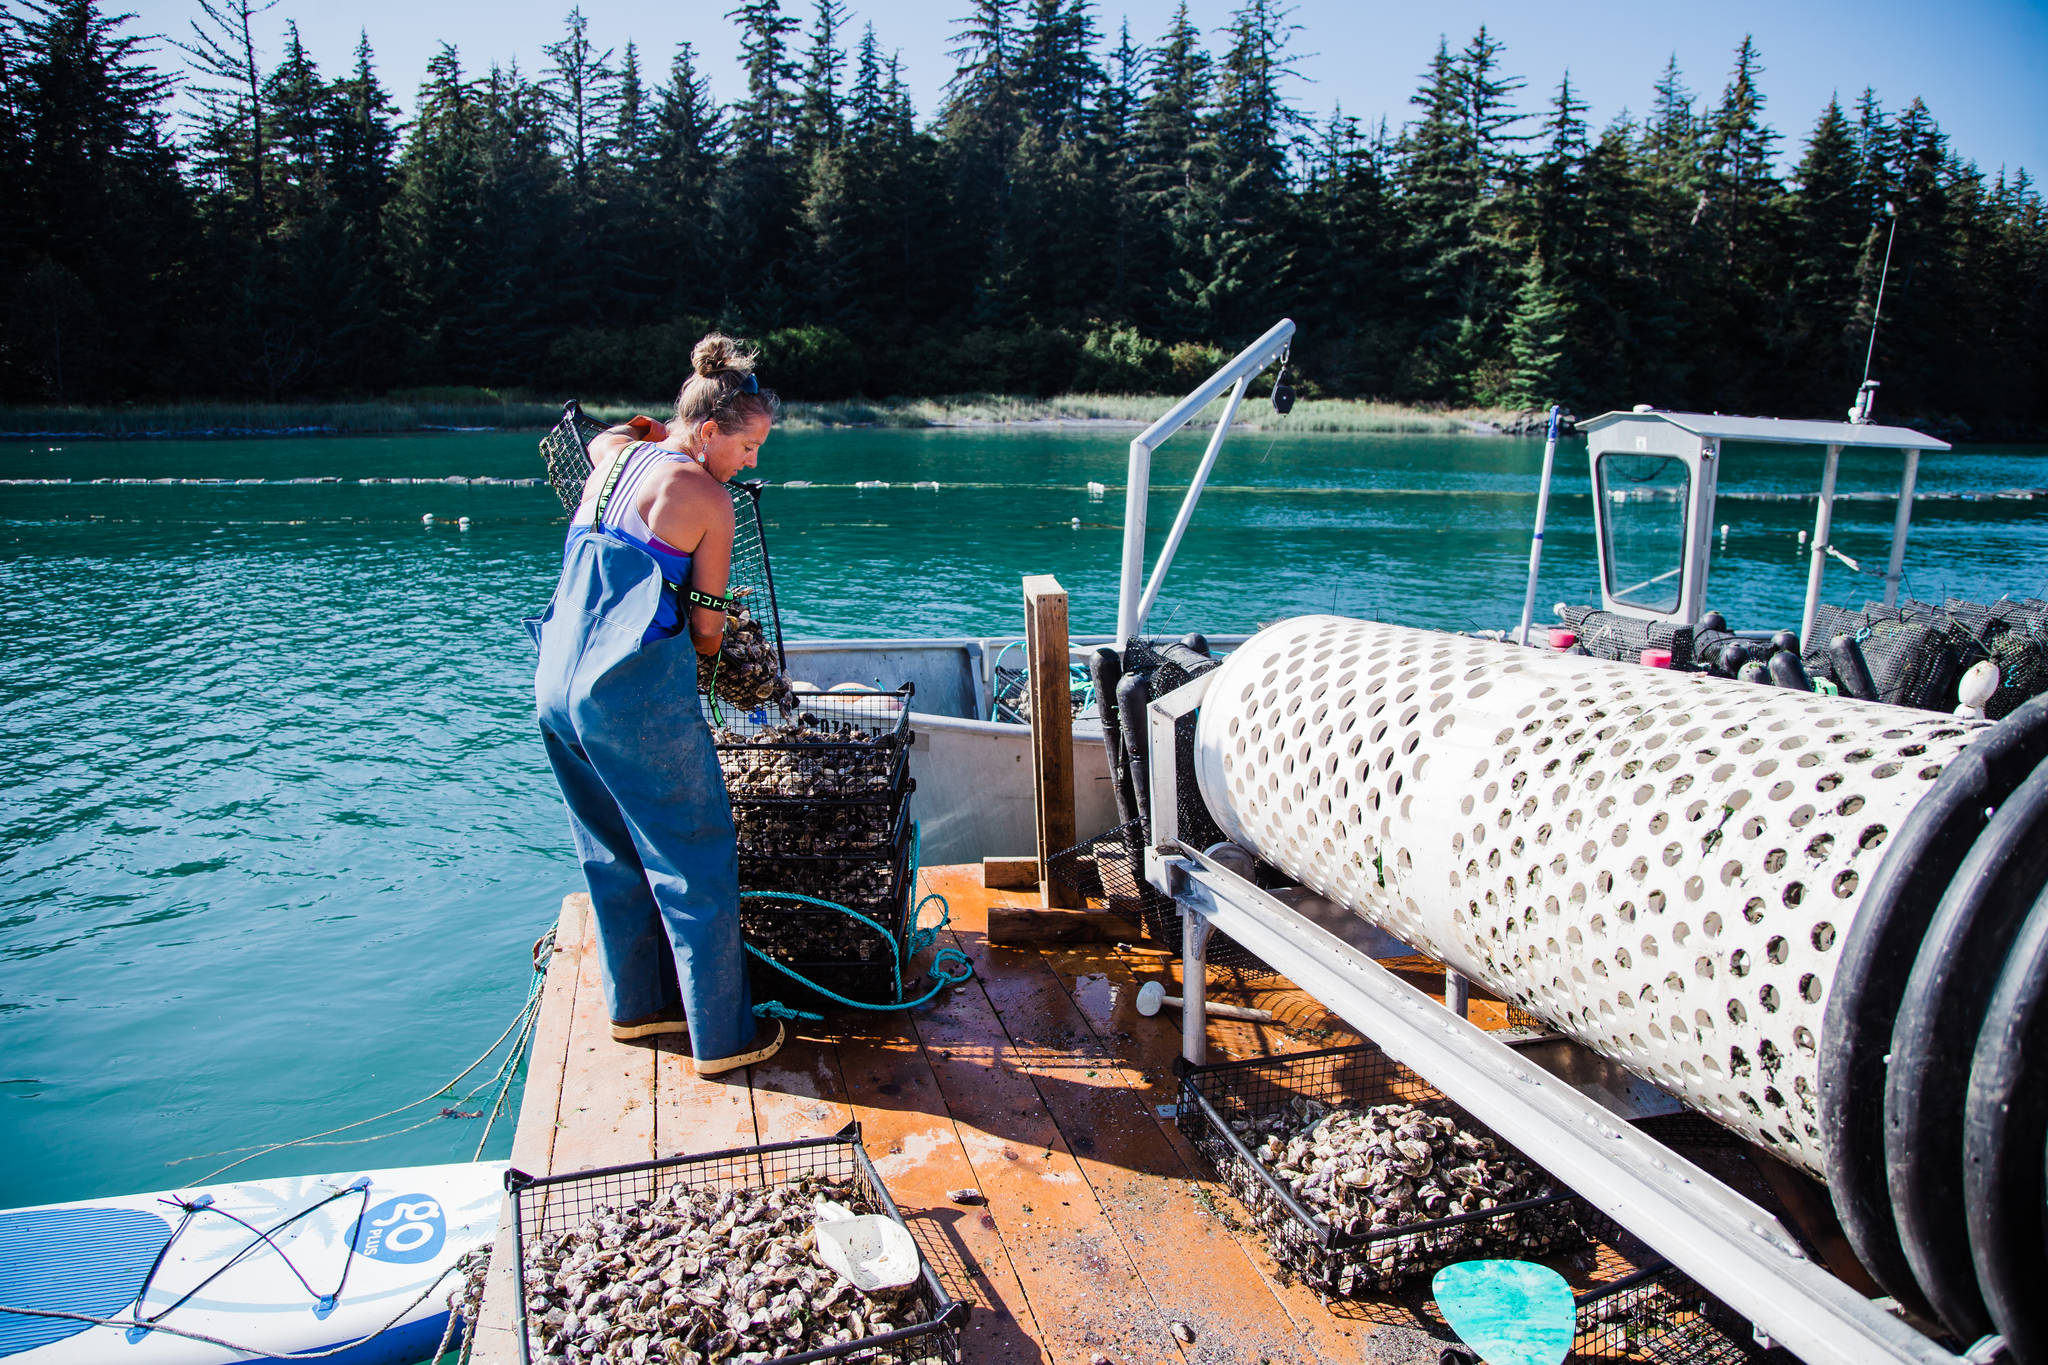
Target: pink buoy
1563, 638
1657, 658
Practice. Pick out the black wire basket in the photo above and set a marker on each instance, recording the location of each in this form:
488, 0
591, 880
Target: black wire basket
823, 944
1659, 1314
837, 749
565, 450
543, 1207
1218, 1101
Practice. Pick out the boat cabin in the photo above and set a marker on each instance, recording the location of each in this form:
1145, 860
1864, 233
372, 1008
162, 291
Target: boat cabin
1654, 475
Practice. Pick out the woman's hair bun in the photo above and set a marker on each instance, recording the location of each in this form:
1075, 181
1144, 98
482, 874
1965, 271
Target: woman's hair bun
719, 354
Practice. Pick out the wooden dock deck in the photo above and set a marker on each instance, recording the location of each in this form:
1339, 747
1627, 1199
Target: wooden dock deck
1038, 1084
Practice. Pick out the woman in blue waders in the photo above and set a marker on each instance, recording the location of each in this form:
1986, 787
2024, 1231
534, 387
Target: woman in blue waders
648, 548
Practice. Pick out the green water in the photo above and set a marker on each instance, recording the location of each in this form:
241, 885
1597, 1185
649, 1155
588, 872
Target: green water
276, 831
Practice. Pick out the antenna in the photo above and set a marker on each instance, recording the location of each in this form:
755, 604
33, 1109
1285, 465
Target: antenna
1866, 392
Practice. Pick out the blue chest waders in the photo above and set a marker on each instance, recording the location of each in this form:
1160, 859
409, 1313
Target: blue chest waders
647, 806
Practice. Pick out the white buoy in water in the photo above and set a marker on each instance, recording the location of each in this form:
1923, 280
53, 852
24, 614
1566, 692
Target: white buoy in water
1075, 522
1095, 491
427, 520
462, 523
1152, 995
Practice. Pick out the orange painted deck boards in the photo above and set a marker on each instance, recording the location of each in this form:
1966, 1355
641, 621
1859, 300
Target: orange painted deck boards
1036, 1085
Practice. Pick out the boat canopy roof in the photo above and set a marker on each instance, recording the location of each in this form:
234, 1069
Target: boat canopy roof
1775, 431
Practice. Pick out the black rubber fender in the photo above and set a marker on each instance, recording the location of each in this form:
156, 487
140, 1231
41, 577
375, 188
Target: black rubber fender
2005, 1132
1852, 670
1105, 671
1935, 1038
1787, 671
1870, 978
1133, 695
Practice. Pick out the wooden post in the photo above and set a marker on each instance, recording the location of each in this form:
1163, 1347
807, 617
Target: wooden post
1052, 731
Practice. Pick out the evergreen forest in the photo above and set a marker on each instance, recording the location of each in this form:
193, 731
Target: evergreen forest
208, 214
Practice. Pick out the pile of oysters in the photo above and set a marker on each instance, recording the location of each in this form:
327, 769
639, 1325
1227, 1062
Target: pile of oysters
746, 671
1381, 1181
805, 757
701, 1276
817, 810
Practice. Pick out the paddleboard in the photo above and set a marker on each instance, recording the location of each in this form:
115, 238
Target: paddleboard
301, 1263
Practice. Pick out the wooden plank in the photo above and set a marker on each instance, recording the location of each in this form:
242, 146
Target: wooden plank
1085, 1293
607, 1112
533, 1142
918, 1153
1195, 1272
1029, 926
497, 1328
797, 1093
1052, 729
693, 1113
1009, 874
1104, 990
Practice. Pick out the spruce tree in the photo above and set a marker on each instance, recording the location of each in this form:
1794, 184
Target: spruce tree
1235, 258
686, 143
821, 113
234, 131
1829, 222
100, 247
1169, 157
580, 95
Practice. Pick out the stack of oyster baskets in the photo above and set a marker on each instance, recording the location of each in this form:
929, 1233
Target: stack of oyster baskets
821, 803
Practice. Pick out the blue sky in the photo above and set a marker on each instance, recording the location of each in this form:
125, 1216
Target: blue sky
1977, 63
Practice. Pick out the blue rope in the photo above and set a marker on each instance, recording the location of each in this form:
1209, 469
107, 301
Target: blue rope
915, 940
1079, 679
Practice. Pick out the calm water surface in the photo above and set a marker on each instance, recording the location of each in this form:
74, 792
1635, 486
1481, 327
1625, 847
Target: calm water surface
276, 831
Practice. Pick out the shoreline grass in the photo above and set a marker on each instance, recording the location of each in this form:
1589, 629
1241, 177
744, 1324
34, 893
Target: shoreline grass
522, 413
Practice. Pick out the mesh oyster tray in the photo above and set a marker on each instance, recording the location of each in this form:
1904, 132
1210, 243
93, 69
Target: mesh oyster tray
545, 1206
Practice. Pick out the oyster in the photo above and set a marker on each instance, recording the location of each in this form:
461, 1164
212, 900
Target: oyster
695, 1276
747, 670
1366, 1176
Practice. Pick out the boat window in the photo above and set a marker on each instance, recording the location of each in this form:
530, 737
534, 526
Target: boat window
1644, 553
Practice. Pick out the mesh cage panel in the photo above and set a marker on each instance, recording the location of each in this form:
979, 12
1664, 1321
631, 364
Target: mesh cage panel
544, 1210
821, 808
1233, 1113
565, 451
1659, 1314
1917, 652
1609, 635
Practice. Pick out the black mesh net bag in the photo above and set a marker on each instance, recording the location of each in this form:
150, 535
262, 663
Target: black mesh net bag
1610, 635
2021, 653
1917, 663
566, 451
1111, 866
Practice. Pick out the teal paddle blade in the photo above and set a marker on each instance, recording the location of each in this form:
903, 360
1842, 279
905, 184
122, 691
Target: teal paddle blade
1511, 1312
